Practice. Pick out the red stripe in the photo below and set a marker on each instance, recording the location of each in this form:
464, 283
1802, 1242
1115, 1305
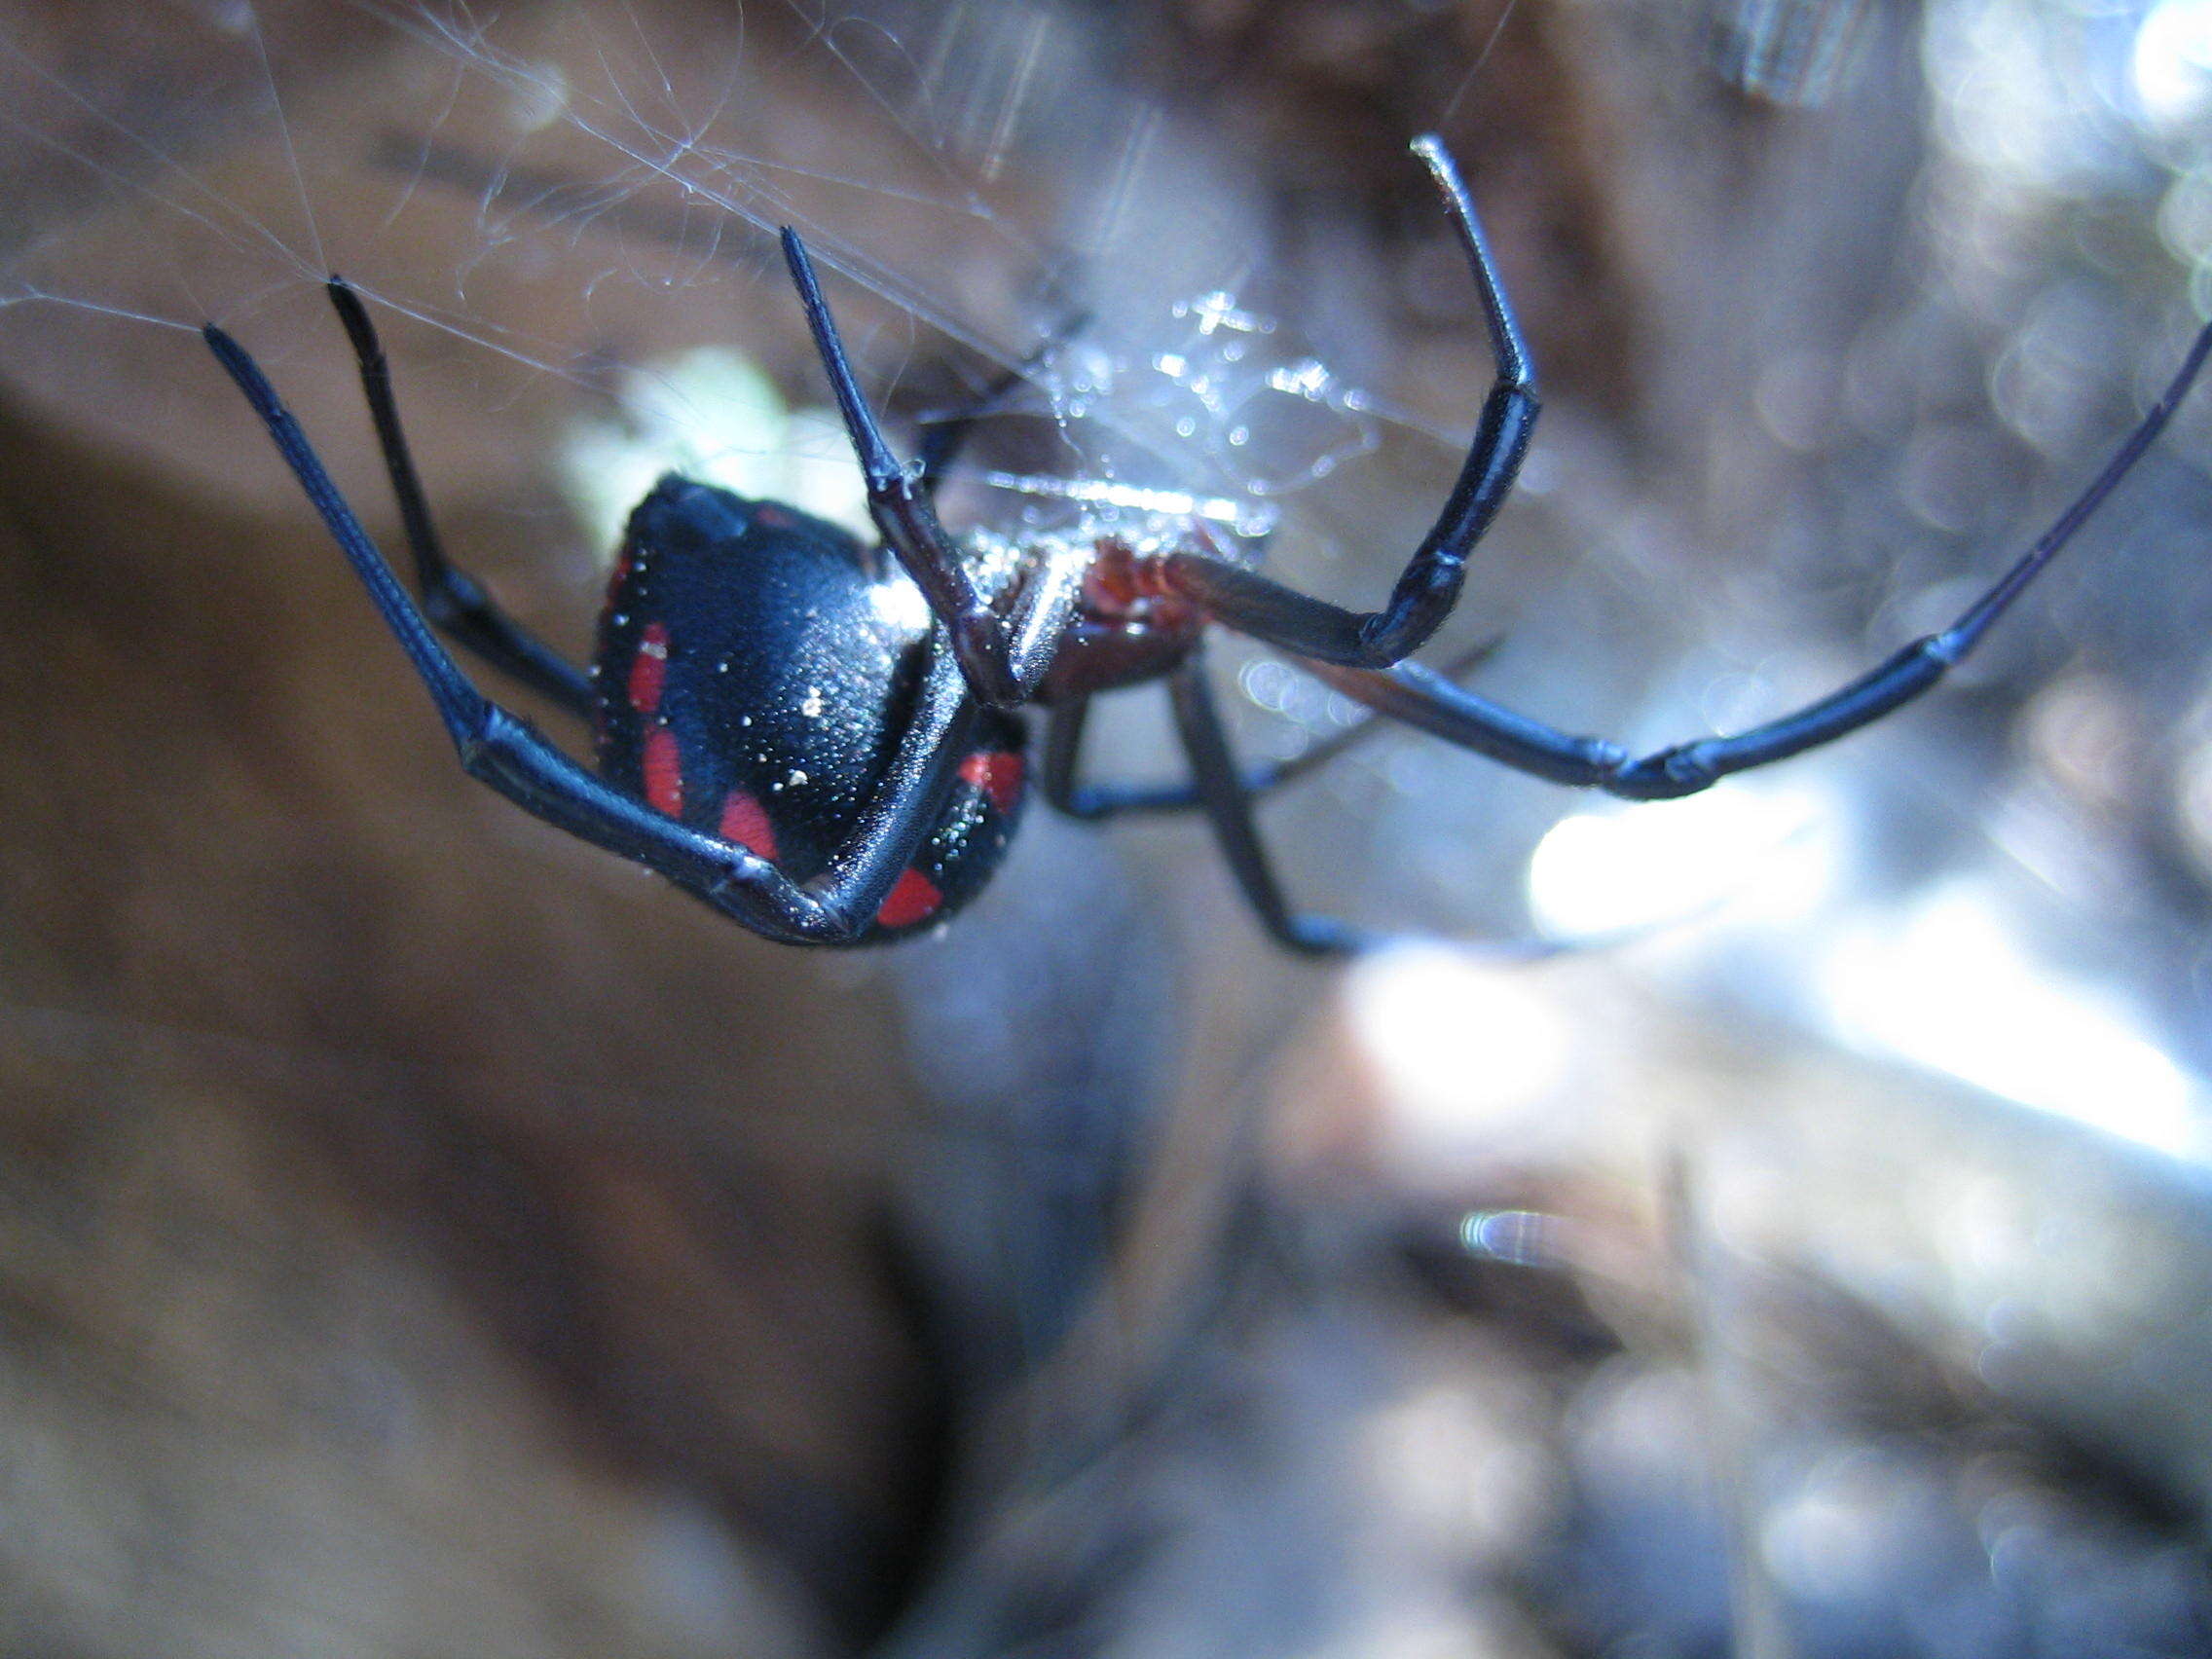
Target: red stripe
648, 669
745, 822
915, 899
664, 773
997, 773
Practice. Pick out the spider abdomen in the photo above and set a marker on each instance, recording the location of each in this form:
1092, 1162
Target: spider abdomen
754, 678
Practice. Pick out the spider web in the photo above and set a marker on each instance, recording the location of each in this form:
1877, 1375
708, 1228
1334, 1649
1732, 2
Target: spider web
561, 191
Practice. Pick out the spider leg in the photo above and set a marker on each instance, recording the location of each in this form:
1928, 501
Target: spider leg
1413, 694
942, 445
451, 598
1003, 658
499, 749
1063, 788
1228, 806
1429, 585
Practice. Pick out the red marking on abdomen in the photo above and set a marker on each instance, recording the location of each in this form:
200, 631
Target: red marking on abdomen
648, 669
915, 899
664, 773
745, 822
997, 772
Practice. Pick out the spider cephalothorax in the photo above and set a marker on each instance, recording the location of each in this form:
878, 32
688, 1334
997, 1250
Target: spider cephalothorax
824, 739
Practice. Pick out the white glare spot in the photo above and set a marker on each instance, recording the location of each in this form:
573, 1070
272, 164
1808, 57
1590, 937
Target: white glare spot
1524, 1237
1103, 492
1770, 850
2193, 787
540, 97
2173, 61
711, 414
1952, 989
899, 604
1306, 379
1458, 1046
1829, 1538
1218, 310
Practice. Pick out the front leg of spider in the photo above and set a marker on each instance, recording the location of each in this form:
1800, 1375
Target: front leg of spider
912, 807
1420, 698
452, 599
1430, 586
1005, 657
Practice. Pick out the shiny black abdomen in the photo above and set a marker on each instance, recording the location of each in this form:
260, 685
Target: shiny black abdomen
754, 679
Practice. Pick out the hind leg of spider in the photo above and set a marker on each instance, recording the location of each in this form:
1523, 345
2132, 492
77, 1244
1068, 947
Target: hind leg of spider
1004, 657
1418, 697
1065, 791
1430, 586
502, 751
1228, 808
451, 598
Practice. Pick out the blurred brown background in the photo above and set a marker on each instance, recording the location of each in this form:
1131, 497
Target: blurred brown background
423, 1233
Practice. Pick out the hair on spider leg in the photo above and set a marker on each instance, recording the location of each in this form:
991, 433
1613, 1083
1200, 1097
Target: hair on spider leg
825, 767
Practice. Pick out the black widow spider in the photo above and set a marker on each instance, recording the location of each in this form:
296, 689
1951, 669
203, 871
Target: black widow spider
779, 735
